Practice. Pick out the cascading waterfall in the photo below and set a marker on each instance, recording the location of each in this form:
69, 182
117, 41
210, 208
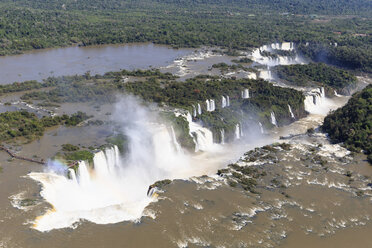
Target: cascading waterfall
227, 101
193, 111
258, 56
265, 74
245, 94
199, 109
290, 112
203, 137
213, 106
222, 136
112, 189
210, 105
223, 102
314, 100
105, 192
261, 127
177, 146
237, 131
336, 94
273, 119
322, 92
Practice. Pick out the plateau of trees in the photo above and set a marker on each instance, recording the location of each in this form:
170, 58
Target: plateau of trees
239, 24
23, 124
316, 74
352, 124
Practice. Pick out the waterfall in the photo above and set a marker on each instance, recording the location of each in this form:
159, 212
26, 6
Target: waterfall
83, 174
203, 137
222, 136
261, 127
199, 109
336, 94
273, 119
258, 56
223, 102
265, 74
322, 92
112, 189
245, 94
237, 131
177, 146
287, 46
210, 105
194, 111
213, 106
314, 99
73, 175
290, 112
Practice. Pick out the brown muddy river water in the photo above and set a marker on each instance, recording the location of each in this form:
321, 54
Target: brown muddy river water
310, 194
315, 205
78, 60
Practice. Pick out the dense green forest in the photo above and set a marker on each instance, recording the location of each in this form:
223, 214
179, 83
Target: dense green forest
352, 124
238, 24
317, 74
29, 126
296, 7
354, 54
265, 98
163, 89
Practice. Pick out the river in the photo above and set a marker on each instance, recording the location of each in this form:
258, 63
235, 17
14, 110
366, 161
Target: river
40, 64
195, 210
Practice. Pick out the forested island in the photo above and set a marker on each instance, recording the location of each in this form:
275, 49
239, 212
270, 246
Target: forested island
352, 124
317, 74
23, 124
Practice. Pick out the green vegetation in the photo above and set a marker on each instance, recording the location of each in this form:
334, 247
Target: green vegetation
242, 176
69, 148
317, 74
223, 67
352, 52
29, 126
161, 184
80, 156
352, 124
101, 88
27, 85
120, 141
266, 98
154, 86
242, 61
238, 24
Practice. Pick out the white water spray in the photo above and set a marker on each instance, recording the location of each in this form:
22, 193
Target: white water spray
273, 119
203, 137
222, 136
210, 105
245, 94
199, 109
290, 112
261, 127
193, 111
114, 189
223, 102
237, 131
